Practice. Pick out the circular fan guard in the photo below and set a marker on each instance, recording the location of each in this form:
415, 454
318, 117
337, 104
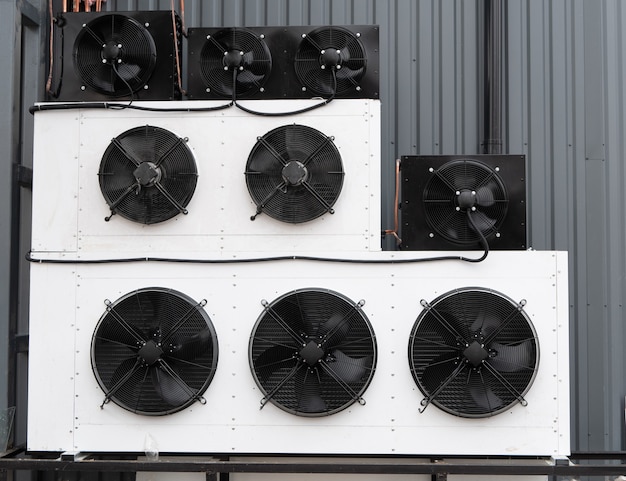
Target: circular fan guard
330, 60
294, 174
148, 175
154, 351
114, 55
312, 352
462, 188
234, 49
473, 353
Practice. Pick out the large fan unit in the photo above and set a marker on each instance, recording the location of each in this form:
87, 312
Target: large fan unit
461, 202
313, 352
125, 55
154, 351
283, 62
191, 181
473, 352
312, 356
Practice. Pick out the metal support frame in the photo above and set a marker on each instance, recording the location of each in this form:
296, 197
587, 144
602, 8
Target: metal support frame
218, 467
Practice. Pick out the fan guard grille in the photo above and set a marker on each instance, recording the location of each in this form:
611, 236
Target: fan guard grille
234, 49
460, 188
312, 352
114, 52
148, 175
294, 174
329, 52
473, 352
154, 351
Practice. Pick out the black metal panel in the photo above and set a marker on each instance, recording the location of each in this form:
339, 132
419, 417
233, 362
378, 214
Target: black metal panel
449, 201
158, 81
290, 49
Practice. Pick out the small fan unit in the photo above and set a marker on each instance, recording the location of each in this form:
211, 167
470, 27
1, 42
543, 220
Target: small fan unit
473, 352
312, 356
227, 62
190, 181
154, 351
147, 175
312, 352
117, 56
284, 62
454, 202
294, 174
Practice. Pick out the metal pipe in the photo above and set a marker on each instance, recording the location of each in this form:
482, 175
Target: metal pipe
492, 143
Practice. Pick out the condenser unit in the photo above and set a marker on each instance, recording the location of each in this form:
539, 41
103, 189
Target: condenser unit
463, 202
362, 354
193, 179
116, 56
338, 61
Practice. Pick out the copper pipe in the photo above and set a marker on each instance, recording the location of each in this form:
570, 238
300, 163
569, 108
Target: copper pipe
51, 59
98, 5
396, 225
182, 16
178, 70
87, 6
64, 5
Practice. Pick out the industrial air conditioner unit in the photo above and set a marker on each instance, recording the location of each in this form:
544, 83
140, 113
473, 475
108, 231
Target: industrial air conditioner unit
197, 180
116, 56
367, 353
461, 202
286, 62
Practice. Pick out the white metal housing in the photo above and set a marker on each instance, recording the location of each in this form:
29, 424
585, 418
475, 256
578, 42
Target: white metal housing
64, 397
69, 208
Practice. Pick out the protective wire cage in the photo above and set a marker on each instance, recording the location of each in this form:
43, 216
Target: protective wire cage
473, 352
154, 351
312, 352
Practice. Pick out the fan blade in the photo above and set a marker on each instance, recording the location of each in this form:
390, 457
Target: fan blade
486, 323
272, 360
481, 222
348, 369
169, 387
439, 371
125, 369
485, 196
512, 358
308, 392
334, 330
484, 397
192, 347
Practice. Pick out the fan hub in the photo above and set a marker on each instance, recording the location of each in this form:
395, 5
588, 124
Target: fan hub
330, 58
147, 174
475, 354
312, 353
111, 52
150, 353
466, 199
233, 59
295, 173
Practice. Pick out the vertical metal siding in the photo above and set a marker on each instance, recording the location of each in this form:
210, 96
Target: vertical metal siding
565, 109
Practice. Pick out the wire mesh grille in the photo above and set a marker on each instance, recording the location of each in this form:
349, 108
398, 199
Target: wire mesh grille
154, 351
473, 352
312, 352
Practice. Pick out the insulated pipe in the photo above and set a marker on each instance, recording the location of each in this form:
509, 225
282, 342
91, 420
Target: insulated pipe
492, 143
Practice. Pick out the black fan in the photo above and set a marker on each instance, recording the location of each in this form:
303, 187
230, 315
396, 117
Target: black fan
148, 175
312, 352
234, 50
114, 55
452, 202
330, 60
154, 351
294, 174
473, 352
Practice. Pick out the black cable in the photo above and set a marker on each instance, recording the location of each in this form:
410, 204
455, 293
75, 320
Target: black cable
30, 258
118, 106
283, 114
483, 241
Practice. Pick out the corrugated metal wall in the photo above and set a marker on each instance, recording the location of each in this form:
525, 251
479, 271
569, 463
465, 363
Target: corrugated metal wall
565, 108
